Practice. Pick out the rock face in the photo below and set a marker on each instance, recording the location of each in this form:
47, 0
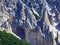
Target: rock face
35, 21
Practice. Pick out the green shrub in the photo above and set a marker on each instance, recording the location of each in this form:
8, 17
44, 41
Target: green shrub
37, 17
33, 1
9, 39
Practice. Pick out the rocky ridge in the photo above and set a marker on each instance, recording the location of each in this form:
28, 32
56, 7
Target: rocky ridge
36, 21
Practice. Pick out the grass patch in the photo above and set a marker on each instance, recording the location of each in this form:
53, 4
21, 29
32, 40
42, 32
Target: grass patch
9, 39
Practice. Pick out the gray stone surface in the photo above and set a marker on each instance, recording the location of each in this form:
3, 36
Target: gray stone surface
23, 14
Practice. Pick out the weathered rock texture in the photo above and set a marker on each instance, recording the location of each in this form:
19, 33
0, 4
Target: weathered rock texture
35, 21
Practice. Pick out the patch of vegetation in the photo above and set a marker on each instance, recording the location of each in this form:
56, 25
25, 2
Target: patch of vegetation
37, 17
9, 39
33, 1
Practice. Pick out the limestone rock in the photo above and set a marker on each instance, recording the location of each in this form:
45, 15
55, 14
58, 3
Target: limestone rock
18, 17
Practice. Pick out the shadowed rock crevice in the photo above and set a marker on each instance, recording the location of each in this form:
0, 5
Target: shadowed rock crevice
19, 32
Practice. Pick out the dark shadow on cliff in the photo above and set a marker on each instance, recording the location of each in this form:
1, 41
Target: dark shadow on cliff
19, 32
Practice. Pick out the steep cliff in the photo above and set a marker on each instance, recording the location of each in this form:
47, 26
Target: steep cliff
35, 21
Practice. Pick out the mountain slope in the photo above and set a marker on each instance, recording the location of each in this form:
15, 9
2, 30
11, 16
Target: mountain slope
9, 39
35, 21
